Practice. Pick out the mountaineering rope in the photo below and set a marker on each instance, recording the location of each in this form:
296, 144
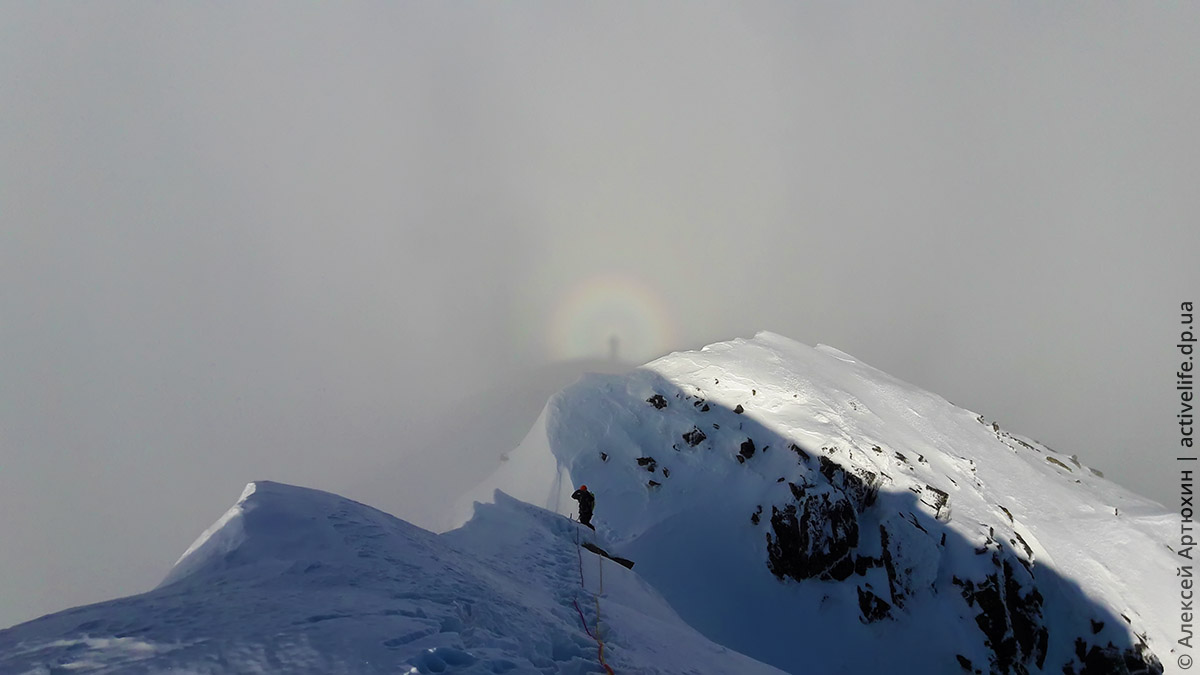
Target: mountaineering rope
596, 598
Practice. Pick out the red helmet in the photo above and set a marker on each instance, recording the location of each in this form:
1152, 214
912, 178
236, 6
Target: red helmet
582, 487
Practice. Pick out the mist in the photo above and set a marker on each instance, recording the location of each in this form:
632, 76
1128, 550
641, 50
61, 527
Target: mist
286, 242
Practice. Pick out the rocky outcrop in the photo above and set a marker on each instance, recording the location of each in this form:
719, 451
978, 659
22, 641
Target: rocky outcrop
872, 607
817, 534
658, 401
889, 504
817, 531
1093, 659
1010, 616
647, 463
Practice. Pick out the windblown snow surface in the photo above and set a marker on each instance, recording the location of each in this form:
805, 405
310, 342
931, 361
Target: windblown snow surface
819, 515
788, 509
297, 580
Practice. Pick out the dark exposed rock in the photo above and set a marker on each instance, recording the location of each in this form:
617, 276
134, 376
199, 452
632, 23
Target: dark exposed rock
648, 463
653, 483
912, 520
815, 530
705, 408
861, 486
889, 566
604, 457
739, 409
666, 472
1024, 444
987, 544
812, 536
657, 401
800, 451
832, 471
1007, 513
694, 437
1112, 660
1055, 461
864, 563
940, 498
1025, 615
1010, 619
1020, 541
798, 491
873, 607
840, 571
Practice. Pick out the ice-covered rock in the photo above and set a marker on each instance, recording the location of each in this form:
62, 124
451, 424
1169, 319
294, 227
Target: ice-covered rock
820, 515
784, 505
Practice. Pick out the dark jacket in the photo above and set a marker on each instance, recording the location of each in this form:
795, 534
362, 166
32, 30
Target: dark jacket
587, 500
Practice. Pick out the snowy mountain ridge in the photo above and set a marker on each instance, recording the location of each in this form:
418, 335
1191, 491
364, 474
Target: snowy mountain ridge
827, 494
298, 580
789, 509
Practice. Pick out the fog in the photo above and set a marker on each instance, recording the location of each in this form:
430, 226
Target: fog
274, 241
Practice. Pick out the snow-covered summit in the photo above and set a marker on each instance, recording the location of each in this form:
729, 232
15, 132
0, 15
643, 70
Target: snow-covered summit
297, 580
818, 514
784, 505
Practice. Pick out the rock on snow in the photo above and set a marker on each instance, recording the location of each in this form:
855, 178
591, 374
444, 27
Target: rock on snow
789, 509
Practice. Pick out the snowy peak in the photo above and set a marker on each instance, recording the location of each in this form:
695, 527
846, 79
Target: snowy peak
276, 529
857, 506
298, 580
789, 509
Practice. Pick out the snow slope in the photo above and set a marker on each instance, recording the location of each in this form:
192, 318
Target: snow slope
785, 505
297, 580
817, 514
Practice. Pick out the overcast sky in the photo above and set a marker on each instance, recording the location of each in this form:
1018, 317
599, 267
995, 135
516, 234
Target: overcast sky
268, 240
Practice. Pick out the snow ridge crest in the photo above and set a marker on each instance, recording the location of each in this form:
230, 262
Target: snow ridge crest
818, 486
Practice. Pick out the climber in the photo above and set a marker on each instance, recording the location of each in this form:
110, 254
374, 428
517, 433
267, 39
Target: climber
587, 501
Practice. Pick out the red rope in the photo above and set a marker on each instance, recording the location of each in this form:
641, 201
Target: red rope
583, 620
599, 642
